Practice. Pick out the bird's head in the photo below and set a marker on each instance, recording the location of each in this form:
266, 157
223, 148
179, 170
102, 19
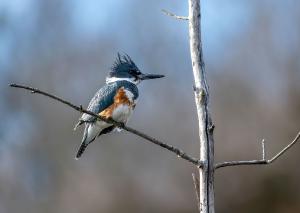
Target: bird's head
125, 69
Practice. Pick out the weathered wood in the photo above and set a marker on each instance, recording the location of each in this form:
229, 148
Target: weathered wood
263, 161
178, 152
206, 173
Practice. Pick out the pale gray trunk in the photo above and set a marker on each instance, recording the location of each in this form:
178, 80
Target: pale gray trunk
206, 173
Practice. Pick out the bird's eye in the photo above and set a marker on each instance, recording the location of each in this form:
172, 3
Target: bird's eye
134, 72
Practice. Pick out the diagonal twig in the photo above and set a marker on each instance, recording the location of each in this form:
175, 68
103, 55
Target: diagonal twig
174, 15
173, 149
196, 185
263, 161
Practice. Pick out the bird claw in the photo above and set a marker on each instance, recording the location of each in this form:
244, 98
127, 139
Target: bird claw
122, 125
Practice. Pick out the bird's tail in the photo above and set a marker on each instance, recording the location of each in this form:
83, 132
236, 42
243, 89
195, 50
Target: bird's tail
81, 150
84, 142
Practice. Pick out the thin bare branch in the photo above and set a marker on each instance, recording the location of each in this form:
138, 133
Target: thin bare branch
285, 149
263, 146
240, 163
174, 15
173, 149
196, 185
259, 162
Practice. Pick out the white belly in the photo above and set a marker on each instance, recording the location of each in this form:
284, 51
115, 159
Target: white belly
95, 129
122, 113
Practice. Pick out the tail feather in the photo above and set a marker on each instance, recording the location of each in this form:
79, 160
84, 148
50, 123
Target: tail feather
81, 150
84, 142
90, 133
78, 124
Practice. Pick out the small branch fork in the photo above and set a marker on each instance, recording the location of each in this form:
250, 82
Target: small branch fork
263, 161
173, 149
174, 15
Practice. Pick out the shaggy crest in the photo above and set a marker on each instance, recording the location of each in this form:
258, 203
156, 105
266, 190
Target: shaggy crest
122, 60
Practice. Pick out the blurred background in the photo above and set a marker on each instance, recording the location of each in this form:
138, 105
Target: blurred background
66, 47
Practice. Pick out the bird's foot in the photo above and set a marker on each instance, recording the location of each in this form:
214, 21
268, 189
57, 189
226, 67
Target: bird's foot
122, 125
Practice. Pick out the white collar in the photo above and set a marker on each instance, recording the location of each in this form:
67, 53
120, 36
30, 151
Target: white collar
115, 79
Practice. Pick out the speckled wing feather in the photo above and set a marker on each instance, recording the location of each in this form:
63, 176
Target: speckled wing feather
103, 98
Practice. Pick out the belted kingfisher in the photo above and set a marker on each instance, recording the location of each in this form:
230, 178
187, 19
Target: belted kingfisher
115, 100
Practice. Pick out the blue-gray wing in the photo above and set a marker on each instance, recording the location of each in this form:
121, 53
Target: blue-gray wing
103, 98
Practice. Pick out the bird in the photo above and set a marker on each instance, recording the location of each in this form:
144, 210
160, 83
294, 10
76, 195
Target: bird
116, 100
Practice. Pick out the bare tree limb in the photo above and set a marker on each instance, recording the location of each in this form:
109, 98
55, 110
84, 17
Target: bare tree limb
173, 149
259, 162
206, 173
174, 15
263, 149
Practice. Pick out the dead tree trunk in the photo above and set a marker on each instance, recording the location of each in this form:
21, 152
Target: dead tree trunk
206, 172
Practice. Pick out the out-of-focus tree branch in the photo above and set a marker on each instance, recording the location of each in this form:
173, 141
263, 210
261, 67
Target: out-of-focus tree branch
263, 161
174, 15
173, 149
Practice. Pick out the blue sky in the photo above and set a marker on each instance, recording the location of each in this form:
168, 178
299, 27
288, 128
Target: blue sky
221, 21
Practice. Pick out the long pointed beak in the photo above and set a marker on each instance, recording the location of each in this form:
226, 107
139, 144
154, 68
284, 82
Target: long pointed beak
150, 76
